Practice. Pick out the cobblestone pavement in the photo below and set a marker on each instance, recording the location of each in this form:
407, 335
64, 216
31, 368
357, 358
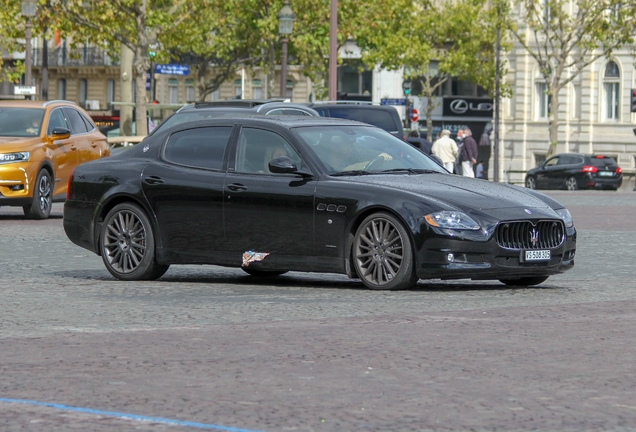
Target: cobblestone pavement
309, 352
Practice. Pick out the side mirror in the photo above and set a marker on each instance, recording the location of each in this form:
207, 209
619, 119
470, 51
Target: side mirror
60, 133
284, 165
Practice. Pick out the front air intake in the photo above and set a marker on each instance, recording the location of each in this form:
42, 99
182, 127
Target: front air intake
530, 235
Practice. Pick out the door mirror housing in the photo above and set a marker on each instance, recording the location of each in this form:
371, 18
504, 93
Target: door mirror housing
60, 133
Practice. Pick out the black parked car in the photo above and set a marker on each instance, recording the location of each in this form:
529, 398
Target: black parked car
574, 171
383, 116
270, 195
203, 110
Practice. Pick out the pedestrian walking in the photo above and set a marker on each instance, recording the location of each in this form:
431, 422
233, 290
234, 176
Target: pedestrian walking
479, 171
469, 154
460, 143
446, 149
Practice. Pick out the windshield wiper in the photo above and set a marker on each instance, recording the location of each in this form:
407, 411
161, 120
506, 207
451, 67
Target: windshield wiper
351, 173
411, 171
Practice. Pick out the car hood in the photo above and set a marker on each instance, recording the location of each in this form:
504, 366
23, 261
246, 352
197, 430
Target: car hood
462, 193
9, 144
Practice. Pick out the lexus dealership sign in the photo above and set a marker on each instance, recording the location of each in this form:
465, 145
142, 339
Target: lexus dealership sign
467, 107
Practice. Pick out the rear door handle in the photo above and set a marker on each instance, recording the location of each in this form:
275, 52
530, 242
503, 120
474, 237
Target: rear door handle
153, 180
236, 187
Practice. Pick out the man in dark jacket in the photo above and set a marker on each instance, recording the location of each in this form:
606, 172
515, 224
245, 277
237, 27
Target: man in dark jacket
421, 143
469, 154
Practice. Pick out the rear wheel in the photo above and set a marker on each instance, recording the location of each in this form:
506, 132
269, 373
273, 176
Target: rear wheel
531, 183
262, 273
382, 253
40, 207
128, 244
525, 281
571, 184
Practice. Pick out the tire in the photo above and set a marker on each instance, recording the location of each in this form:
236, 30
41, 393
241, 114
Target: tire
531, 183
128, 245
262, 273
524, 281
571, 184
40, 207
383, 254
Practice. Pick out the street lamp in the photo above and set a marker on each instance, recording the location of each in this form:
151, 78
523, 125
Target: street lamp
28, 10
285, 24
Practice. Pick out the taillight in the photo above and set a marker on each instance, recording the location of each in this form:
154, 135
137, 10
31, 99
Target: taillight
619, 170
589, 169
68, 186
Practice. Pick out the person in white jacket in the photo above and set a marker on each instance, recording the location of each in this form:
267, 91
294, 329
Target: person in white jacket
446, 149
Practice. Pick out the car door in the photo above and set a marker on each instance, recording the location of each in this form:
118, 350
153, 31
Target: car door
185, 192
79, 133
266, 212
545, 176
62, 152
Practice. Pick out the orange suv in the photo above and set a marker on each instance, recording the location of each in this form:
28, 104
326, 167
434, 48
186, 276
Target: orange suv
40, 145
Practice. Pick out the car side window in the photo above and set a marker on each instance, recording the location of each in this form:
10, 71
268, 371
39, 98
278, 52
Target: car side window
201, 147
77, 124
257, 147
565, 160
552, 161
89, 124
56, 119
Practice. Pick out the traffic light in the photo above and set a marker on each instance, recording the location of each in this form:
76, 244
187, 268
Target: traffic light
633, 100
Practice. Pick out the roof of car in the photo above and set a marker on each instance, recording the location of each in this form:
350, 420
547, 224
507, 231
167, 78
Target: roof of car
282, 120
255, 104
357, 105
21, 103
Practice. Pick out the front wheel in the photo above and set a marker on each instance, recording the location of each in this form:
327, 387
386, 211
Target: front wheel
571, 184
531, 183
40, 207
525, 281
382, 253
128, 244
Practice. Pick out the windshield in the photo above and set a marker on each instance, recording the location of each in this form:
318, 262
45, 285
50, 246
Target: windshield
20, 122
360, 149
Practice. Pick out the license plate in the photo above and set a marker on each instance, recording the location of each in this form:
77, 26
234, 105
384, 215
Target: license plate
605, 173
537, 255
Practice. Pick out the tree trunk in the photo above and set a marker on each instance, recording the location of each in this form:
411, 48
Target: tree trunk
553, 119
271, 70
430, 106
202, 70
141, 65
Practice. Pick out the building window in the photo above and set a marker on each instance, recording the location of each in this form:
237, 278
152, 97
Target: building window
355, 79
611, 88
61, 89
83, 92
238, 89
110, 93
290, 90
257, 89
190, 90
543, 101
173, 91
215, 95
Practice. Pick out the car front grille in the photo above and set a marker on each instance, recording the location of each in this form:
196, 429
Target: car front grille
530, 235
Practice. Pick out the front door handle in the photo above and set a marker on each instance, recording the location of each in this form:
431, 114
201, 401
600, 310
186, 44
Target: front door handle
153, 180
237, 187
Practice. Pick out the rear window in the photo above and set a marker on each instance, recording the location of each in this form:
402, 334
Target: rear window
380, 118
602, 162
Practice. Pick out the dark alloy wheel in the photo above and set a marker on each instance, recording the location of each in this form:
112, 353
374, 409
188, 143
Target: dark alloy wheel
40, 207
524, 281
128, 244
262, 273
382, 253
571, 184
531, 183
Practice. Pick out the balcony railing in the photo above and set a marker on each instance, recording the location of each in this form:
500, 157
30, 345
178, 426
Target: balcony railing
76, 57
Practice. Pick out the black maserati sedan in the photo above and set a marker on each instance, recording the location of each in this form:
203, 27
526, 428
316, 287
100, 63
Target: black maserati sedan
276, 194
574, 171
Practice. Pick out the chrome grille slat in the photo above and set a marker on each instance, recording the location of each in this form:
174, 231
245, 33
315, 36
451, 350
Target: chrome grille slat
549, 234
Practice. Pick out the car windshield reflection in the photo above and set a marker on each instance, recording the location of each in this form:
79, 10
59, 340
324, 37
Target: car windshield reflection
360, 150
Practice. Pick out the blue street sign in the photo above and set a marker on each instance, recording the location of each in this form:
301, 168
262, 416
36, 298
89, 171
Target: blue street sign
172, 69
392, 101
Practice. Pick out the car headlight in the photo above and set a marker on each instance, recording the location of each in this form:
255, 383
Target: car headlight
566, 216
451, 220
14, 157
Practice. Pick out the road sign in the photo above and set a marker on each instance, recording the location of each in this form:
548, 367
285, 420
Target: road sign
392, 101
172, 69
24, 90
415, 115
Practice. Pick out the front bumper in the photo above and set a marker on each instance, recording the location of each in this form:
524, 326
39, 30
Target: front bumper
16, 183
487, 260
